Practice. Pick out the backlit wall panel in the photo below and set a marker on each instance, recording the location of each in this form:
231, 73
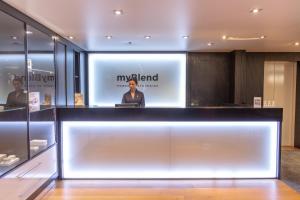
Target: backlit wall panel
161, 77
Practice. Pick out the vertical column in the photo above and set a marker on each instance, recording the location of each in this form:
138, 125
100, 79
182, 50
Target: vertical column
297, 109
240, 76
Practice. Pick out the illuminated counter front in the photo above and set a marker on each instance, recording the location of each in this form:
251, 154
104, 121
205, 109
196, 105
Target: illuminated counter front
109, 143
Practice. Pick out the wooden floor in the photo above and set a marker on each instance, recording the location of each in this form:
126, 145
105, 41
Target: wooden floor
171, 190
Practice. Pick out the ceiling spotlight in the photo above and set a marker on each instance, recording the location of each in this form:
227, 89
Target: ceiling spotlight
28, 32
210, 44
224, 37
262, 37
185, 37
147, 37
71, 37
14, 37
118, 12
108, 37
255, 10
297, 44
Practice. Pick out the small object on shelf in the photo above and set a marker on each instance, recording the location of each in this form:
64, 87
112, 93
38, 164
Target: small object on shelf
79, 99
34, 148
9, 160
34, 101
11, 156
39, 143
2, 156
47, 100
257, 102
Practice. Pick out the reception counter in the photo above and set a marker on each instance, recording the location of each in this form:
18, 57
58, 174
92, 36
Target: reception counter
172, 143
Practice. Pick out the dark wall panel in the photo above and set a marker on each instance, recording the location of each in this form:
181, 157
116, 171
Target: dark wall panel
240, 76
70, 76
254, 77
297, 116
281, 56
210, 79
60, 59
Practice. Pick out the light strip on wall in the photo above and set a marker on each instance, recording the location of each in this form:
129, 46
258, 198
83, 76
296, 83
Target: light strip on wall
181, 58
271, 150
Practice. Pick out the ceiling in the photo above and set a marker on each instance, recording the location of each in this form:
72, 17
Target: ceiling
89, 21
12, 37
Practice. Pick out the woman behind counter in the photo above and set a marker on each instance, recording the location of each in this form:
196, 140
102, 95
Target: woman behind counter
134, 95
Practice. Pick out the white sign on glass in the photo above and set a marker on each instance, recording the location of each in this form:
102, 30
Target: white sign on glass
34, 101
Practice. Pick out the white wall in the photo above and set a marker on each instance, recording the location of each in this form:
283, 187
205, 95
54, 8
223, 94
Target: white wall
280, 91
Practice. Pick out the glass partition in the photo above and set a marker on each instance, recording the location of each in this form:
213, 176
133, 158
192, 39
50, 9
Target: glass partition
13, 94
12, 62
41, 130
41, 70
41, 74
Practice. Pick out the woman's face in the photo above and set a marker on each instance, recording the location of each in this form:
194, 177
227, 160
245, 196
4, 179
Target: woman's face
132, 85
17, 85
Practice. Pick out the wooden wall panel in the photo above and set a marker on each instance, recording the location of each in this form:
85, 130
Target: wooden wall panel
210, 79
254, 77
297, 109
240, 69
70, 77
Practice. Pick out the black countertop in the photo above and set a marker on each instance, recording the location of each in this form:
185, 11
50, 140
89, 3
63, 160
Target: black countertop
83, 113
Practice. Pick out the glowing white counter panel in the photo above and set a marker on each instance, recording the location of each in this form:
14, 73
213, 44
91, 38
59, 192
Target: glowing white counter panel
170, 149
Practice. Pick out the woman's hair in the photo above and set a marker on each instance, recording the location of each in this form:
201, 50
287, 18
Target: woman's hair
18, 80
133, 79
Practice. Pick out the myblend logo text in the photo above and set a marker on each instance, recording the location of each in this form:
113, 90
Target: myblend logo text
138, 77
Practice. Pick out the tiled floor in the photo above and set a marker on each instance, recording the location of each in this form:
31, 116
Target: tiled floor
290, 167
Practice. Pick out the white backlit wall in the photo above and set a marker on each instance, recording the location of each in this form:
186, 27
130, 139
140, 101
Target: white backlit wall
170, 149
163, 84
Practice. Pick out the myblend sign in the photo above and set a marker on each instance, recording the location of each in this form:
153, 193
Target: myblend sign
138, 77
161, 77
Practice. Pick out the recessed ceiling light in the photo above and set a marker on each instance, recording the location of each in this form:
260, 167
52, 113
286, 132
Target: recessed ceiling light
28, 32
243, 38
147, 37
255, 10
297, 44
14, 37
185, 37
71, 37
108, 37
118, 12
210, 44
224, 37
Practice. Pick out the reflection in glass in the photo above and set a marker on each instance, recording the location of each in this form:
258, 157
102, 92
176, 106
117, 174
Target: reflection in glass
13, 94
41, 76
42, 130
13, 140
18, 96
41, 66
12, 63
